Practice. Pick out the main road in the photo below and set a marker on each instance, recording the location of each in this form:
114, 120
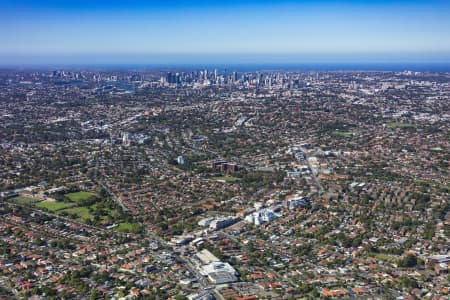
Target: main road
314, 177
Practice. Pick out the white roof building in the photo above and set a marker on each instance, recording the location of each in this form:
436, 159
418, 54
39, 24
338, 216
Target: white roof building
206, 257
221, 277
261, 216
215, 267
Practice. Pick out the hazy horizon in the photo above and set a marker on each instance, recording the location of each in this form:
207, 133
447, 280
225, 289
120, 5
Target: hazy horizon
397, 62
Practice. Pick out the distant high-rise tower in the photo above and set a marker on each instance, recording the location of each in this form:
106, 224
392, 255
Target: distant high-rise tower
258, 78
234, 76
169, 77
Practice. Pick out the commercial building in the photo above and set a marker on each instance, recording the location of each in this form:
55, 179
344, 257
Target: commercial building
221, 277
222, 222
261, 216
206, 257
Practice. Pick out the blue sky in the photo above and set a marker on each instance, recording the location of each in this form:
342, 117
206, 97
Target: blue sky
280, 30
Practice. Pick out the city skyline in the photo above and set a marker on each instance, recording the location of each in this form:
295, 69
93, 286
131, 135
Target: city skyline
44, 32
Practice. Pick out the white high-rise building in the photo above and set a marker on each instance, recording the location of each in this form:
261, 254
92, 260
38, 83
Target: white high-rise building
180, 160
126, 139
